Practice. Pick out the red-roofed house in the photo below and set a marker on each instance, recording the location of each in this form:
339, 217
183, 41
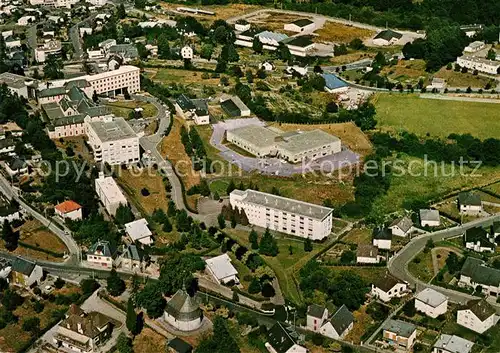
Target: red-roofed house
69, 209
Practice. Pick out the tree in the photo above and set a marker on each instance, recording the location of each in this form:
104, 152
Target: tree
308, 245
491, 54
253, 238
268, 245
236, 298
142, 51
254, 287
332, 107
229, 53
183, 221
139, 4
163, 46
221, 220
356, 44
348, 288
95, 97
221, 340
3, 284
131, 318
120, 12
284, 53
257, 45
249, 76
339, 50
123, 214
171, 210
231, 186
124, 344
10, 237
11, 300
453, 263
31, 324
53, 68
429, 245
59, 283
221, 65
89, 285
244, 92
86, 67
207, 51
347, 257
268, 290
167, 226
151, 299
233, 220
115, 285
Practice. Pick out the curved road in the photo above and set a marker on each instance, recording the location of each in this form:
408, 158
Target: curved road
398, 265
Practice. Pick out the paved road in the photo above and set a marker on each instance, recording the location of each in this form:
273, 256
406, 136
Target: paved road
64, 234
74, 35
398, 265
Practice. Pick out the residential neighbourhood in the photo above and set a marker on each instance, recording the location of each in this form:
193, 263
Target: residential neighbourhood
249, 176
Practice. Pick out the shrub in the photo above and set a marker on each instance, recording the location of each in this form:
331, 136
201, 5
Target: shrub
268, 290
145, 192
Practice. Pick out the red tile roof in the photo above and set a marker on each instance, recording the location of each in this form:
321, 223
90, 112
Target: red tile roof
68, 206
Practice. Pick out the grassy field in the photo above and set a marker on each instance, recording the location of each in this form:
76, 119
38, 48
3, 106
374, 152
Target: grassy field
284, 265
275, 21
34, 233
349, 133
77, 143
359, 236
458, 79
123, 108
406, 71
438, 117
181, 76
221, 11
423, 268
495, 188
339, 33
148, 341
351, 56
406, 189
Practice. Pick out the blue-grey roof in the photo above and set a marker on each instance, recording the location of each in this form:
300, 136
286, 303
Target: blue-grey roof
333, 82
273, 35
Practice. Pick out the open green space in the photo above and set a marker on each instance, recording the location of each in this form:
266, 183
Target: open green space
123, 108
396, 111
421, 266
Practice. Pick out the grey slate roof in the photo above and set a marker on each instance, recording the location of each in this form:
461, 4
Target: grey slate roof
51, 92
478, 234
185, 102
102, 248
480, 307
387, 282
23, 266
429, 215
403, 223
388, 34
180, 346
469, 199
315, 310
382, 233
184, 307
401, 328
477, 270
453, 344
125, 50
279, 338
302, 22
300, 41
133, 253
342, 319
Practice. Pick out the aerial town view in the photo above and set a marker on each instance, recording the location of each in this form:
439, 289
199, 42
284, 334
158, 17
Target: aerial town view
246, 176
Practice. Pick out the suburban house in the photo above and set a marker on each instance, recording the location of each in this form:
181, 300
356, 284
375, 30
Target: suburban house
452, 344
400, 334
477, 239
431, 303
401, 227
387, 37
296, 70
177, 345
300, 25
333, 84
480, 64
299, 46
192, 109
270, 40
83, 332
132, 258
186, 52
138, 231
429, 218
475, 272
102, 253
267, 66
339, 325
382, 238
474, 47
221, 269
281, 340
477, 315
69, 209
234, 106
25, 273
298, 218
316, 316
471, 30
469, 203
388, 287
183, 312
109, 193
367, 254
16, 166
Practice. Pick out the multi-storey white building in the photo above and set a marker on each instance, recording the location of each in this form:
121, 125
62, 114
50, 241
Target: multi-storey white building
478, 315
109, 193
113, 141
431, 303
474, 47
480, 64
284, 215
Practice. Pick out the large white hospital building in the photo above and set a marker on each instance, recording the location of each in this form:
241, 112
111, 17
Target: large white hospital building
284, 215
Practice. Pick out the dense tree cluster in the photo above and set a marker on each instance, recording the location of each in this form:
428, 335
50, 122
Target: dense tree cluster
221, 341
193, 145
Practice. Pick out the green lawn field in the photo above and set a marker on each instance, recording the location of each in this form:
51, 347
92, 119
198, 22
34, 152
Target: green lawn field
408, 112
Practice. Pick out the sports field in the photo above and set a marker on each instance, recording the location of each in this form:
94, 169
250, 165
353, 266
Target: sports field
396, 111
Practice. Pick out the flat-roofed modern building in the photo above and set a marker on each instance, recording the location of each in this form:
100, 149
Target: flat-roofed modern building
109, 193
293, 146
113, 141
480, 64
284, 215
17, 84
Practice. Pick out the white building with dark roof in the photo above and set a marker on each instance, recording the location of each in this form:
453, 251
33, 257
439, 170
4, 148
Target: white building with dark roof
387, 37
431, 303
477, 315
183, 312
281, 214
387, 287
25, 273
402, 227
475, 272
480, 64
429, 218
339, 325
280, 339
400, 334
192, 109
221, 269
16, 84
300, 25
102, 254
367, 254
316, 316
